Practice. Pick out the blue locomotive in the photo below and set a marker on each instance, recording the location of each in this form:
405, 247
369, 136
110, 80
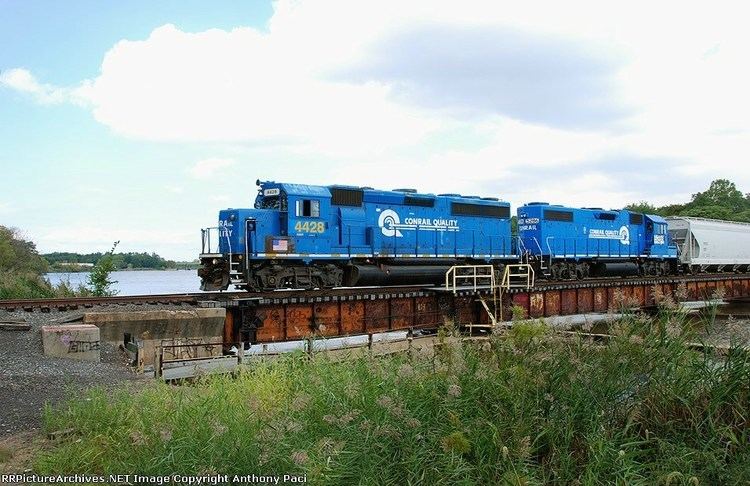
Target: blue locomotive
568, 242
306, 236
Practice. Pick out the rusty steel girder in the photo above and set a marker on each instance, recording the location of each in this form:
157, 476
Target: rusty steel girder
267, 320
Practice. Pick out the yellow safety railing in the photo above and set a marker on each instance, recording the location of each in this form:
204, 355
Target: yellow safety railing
476, 275
518, 275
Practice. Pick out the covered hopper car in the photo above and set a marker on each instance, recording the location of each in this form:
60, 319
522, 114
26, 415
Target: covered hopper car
709, 245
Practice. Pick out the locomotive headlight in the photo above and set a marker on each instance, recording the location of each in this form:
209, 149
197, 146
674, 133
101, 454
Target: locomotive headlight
215, 261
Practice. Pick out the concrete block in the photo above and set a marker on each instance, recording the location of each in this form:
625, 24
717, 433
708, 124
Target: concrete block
184, 348
158, 324
78, 341
182, 333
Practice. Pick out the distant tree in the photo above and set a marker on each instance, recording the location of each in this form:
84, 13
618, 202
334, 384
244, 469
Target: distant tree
19, 255
120, 260
714, 212
722, 200
99, 280
642, 207
721, 193
672, 210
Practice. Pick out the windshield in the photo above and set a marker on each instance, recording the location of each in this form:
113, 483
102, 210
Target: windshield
271, 202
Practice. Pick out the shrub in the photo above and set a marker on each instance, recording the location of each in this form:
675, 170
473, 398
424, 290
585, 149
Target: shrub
99, 280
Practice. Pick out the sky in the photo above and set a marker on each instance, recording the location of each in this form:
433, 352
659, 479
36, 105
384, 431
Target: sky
137, 121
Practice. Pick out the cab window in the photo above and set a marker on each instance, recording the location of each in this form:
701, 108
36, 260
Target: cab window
308, 208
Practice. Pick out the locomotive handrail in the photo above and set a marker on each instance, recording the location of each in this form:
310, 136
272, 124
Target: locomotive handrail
521, 246
229, 250
538, 245
206, 239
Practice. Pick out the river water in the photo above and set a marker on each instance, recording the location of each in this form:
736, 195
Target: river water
139, 282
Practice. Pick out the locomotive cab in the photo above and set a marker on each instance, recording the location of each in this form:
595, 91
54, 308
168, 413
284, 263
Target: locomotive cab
286, 228
228, 248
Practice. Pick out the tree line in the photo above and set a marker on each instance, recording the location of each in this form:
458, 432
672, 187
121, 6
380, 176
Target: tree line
722, 200
120, 261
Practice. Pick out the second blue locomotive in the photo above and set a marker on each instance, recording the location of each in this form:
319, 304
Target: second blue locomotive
565, 242
305, 236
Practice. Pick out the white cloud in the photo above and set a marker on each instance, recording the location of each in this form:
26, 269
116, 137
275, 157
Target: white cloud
5, 208
22, 80
277, 98
206, 168
174, 189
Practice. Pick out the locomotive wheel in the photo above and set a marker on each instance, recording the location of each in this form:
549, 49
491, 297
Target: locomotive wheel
564, 272
582, 271
573, 271
555, 271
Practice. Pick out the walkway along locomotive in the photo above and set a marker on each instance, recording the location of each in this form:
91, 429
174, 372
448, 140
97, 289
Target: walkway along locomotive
306, 236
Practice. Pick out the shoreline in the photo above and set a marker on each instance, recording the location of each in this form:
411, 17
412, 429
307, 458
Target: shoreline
88, 270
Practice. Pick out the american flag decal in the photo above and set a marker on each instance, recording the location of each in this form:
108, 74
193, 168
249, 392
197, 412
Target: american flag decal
280, 245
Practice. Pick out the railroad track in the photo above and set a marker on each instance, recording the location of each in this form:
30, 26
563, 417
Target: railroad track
72, 303
192, 298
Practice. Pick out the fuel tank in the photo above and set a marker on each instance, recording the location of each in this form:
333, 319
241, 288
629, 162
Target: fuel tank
360, 275
620, 269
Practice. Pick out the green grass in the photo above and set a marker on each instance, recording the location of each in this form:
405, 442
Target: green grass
533, 408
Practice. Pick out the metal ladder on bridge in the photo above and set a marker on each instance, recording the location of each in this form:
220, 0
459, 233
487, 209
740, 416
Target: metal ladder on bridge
515, 276
481, 277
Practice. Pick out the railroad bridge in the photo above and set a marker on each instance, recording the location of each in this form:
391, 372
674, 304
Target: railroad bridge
294, 315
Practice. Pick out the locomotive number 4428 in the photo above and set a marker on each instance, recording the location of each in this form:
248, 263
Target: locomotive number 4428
310, 227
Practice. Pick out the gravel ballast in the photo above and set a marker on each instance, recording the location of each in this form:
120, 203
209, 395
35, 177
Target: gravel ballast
29, 379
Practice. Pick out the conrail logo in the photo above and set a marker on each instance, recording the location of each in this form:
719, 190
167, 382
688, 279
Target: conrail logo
390, 224
387, 221
623, 234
